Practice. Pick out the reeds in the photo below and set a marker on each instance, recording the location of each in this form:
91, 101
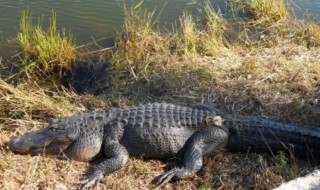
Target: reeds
141, 49
46, 53
267, 12
263, 13
212, 38
189, 34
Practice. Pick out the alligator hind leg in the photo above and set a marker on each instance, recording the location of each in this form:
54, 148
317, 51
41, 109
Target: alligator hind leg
199, 144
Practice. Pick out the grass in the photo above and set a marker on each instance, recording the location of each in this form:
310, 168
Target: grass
276, 77
30, 101
46, 53
299, 31
139, 47
142, 49
264, 12
213, 39
190, 34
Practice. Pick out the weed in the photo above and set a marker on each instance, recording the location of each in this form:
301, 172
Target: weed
190, 34
285, 169
141, 49
46, 54
266, 12
212, 38
280, 162
138, 47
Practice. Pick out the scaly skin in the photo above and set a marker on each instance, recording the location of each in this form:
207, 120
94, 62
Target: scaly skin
161, 130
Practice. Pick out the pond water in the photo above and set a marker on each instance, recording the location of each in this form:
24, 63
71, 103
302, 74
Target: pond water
95, 19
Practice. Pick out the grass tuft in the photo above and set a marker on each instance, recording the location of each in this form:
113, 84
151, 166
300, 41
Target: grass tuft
190, 34
267, 12
46, 53
215, 27
263, 12
142, 50
139, 48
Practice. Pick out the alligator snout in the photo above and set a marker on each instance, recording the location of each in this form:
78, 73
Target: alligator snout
27, 143
16, 145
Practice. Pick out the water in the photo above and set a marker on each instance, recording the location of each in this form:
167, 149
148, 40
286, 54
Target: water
310, 7
90, 20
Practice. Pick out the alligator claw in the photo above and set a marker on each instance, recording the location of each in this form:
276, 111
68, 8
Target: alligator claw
163, 178
91, 180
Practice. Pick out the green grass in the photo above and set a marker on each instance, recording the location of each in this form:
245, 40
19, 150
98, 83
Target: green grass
201, 36
215, 27
139, 48
189, 35
142, 49
267, 12
46, 53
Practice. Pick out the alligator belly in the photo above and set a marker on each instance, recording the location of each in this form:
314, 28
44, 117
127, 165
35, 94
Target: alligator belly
155, 143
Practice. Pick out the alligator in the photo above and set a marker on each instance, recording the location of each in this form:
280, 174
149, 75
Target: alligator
162, 131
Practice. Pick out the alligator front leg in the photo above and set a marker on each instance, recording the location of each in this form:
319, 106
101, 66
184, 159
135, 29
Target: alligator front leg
116, 156
199, 144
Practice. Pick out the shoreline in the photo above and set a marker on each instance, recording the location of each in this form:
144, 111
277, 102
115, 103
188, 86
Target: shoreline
274, 74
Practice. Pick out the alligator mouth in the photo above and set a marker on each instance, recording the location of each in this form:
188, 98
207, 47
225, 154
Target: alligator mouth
23, 145
39, 142
51, 149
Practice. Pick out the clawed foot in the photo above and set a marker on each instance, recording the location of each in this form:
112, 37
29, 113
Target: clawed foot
91, 180
163, 178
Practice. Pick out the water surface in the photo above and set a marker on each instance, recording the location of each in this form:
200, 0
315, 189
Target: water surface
94, 19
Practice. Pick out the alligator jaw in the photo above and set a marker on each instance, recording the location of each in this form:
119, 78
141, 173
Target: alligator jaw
43, 141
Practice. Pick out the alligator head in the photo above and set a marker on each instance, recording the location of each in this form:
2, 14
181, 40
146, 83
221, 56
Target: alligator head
52, 140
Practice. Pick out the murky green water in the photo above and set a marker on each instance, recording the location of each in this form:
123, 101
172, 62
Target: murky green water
95, 19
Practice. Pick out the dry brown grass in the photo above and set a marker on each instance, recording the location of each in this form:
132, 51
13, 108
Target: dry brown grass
277, 78
28, 98
299, 31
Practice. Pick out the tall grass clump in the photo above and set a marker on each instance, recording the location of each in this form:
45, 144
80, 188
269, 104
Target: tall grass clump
303, 32
190, 34
46, 53
139, 48
266, 12
311, 34
215, 27
205, 37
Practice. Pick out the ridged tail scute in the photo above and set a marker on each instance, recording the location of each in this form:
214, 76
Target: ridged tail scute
256, 134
